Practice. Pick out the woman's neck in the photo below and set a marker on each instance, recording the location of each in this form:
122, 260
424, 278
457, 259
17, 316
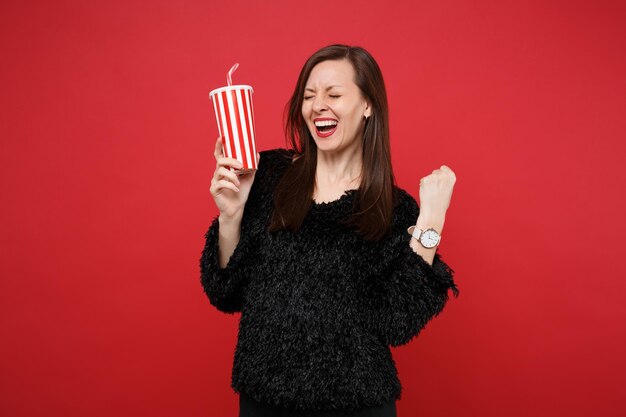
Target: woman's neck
339, 170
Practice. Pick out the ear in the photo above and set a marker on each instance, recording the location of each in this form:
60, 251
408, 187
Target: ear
368, 110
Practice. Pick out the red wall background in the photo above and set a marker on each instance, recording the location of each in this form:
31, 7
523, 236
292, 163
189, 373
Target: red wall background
107, 138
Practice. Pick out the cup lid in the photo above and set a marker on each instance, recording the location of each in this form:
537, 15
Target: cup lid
231, 88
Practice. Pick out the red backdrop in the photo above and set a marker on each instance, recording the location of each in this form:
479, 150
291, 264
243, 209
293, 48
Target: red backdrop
107, 139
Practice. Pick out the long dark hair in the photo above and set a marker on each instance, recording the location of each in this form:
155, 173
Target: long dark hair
375, 201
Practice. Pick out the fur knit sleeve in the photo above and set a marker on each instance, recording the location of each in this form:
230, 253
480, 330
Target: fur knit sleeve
409, 292
226, 286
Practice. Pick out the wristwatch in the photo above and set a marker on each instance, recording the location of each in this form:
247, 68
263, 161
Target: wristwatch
429, 238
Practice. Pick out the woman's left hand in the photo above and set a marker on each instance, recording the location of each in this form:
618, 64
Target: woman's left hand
436, 192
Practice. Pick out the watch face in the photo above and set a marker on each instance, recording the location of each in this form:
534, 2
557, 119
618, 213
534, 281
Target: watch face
430, 238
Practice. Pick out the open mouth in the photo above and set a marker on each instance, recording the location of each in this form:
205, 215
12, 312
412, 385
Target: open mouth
325, 127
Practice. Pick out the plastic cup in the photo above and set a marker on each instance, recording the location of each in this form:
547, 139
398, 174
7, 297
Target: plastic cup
235, 121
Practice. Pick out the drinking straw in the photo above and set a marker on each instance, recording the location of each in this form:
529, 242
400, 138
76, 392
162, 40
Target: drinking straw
230, 74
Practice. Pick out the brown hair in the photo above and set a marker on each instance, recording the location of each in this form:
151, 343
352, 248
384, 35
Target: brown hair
373, 207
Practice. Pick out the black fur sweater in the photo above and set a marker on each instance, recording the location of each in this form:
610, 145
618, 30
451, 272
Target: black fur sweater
321, 307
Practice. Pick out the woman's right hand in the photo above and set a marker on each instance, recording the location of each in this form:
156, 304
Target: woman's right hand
229, 190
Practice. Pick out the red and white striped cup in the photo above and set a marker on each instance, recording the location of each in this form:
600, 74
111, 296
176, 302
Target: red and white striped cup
235, 121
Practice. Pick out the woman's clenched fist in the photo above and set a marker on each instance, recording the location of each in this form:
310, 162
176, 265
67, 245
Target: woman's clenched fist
436, 191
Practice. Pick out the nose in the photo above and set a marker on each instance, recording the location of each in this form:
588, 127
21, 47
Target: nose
319, 104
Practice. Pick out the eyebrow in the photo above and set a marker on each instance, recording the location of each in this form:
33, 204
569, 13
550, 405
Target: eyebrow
327, 88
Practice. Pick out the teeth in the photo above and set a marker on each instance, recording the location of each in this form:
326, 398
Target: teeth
326, 123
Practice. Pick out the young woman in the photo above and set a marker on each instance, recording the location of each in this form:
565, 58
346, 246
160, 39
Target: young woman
328, 261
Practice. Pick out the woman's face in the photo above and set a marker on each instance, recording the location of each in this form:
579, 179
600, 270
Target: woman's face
333, 106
